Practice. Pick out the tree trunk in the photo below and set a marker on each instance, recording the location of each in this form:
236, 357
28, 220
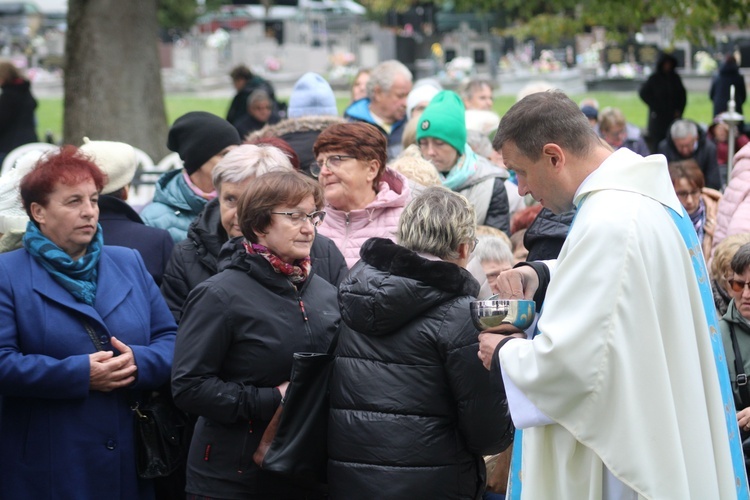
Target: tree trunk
112, 84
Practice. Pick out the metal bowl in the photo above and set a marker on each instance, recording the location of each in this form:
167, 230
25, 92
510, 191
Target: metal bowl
493, 312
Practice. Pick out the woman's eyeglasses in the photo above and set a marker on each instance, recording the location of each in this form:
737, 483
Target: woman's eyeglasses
738, 286
332, 162
299, 218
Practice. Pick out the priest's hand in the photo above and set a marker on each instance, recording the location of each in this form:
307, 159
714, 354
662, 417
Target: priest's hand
517, 283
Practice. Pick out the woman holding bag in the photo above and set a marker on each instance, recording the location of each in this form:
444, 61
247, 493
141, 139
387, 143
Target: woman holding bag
238, 334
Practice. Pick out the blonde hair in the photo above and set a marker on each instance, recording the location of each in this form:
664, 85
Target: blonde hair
415, 168
722, 256
437, 222
483, 230
609, 118
409, 136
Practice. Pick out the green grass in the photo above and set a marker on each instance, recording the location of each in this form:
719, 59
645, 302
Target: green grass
50, 110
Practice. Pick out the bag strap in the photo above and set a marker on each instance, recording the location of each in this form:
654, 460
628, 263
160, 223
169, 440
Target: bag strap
739, 369
92, 335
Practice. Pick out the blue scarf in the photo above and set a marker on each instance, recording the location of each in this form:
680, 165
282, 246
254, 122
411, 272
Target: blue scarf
464, 168
698, 218
76, 276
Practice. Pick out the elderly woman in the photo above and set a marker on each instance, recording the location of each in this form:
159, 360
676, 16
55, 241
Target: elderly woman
495, 256
721, 269
412, 412
83, 333
441, 136
239, 331
735, 335
364, 199
196, 259
700, 202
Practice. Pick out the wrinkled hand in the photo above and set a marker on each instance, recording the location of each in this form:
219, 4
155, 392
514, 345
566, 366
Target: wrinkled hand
743, 419
110, 372
518, 283
489, 339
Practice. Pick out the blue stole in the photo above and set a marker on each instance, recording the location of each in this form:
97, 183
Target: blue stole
689, 236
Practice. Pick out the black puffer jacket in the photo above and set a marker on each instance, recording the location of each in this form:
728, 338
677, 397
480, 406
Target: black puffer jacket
412, 409
545, 236
197, 258
235, 344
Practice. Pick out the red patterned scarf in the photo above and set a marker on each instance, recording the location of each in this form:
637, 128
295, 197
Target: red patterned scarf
297, 272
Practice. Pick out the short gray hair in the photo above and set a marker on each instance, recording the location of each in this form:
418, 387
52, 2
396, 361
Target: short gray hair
437, 222
741, 260
467, 89
479, 143
683, 128
258, 95
384, 74
493, 249
249, 160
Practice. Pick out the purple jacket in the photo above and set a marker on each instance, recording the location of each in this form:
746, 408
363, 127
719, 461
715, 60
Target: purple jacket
379, 219
734, 206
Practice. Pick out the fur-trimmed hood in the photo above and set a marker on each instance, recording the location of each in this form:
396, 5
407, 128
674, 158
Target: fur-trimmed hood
392, 285
293, 125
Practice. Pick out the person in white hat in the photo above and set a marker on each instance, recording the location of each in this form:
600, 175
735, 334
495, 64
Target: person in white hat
13, 218
121, 225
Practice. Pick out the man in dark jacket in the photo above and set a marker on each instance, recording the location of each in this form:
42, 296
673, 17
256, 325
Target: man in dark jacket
687, 140
121, 225
665, 97
245, 81
412, 413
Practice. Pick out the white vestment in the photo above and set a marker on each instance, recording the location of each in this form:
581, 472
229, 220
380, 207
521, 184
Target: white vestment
624, 365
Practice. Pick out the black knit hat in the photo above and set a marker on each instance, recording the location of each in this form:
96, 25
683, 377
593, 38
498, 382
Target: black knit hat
197, 136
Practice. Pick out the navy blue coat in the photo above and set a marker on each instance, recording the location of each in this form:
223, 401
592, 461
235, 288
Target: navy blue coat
123, 227
59, 439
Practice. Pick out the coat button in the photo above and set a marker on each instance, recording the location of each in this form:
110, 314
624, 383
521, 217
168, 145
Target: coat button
104, 339
111, 444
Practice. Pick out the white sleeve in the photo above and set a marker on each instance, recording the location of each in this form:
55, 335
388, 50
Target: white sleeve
522, 411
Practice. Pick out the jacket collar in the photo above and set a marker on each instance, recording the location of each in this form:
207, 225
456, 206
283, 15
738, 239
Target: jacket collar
112, 206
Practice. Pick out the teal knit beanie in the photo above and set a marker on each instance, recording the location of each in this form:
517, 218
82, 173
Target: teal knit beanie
445, 119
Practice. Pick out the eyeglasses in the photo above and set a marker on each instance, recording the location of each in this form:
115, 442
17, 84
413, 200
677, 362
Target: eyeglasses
332, 162
684, 195
299, 218
738, 286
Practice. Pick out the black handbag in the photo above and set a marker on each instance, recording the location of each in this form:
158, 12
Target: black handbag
161, 430
295, 443
160, 436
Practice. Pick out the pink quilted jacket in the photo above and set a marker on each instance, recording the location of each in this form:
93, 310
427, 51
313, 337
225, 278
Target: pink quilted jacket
734, 206
379, 219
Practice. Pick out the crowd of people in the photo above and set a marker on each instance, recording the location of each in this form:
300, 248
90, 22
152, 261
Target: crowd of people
291, 224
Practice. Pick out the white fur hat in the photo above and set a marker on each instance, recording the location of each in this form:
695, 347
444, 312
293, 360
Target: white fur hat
483, 121
12, 215
116, 159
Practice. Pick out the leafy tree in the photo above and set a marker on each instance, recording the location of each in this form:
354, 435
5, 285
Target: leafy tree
695, 19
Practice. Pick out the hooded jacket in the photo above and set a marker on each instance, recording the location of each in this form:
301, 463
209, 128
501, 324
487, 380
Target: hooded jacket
349, 230
235, 346
665, 96
729, 74
412, 408
174, 207
705, 155
359, 111
300, 133
545, 236
207, 250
